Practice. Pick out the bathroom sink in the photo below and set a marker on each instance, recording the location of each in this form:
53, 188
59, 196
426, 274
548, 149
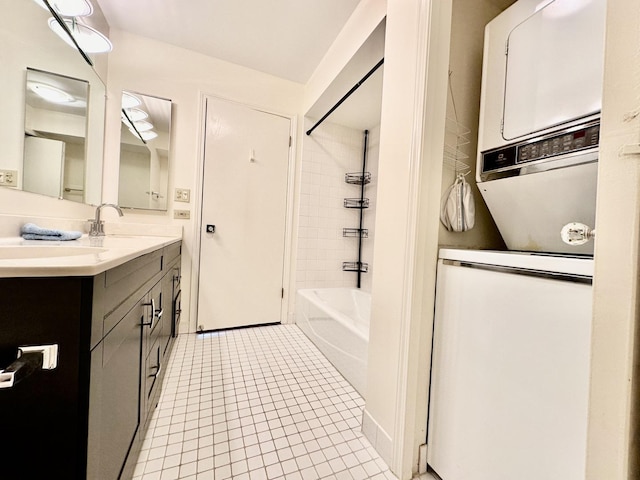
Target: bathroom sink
14, 252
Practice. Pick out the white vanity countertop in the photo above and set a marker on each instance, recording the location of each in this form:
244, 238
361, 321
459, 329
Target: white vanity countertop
85, 256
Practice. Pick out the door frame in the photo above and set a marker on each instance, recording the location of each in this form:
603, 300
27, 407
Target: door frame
197, 207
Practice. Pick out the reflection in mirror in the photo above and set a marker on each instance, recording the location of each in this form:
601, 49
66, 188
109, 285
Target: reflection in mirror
55, 134
144, 151
28, 47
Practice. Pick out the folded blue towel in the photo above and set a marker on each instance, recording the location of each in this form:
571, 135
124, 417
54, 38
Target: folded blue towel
33, 232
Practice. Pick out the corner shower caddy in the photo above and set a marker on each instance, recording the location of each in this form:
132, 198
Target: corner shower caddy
358, 178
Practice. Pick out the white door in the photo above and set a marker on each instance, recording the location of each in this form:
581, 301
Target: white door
246, 165
43, 166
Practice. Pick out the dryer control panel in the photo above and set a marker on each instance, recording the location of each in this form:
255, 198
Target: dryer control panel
553, 146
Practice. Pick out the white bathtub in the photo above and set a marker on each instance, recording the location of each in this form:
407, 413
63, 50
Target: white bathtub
336, 320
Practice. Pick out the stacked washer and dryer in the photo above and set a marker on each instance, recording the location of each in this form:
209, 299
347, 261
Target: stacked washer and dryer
510, 370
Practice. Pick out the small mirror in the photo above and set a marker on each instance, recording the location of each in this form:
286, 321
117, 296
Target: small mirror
144, 151
55, 135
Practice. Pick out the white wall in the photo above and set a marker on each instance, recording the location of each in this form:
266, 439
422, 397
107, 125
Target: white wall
614, 434
410, 169
18, 207
328, 153
465, 63
154, 68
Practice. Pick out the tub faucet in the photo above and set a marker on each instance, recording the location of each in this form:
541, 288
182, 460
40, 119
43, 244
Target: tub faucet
97, 225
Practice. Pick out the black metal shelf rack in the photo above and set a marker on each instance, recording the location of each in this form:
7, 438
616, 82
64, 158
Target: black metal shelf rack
358, 178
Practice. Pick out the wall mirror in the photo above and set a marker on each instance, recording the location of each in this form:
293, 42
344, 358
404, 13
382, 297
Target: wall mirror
144, 151
55, 128
31, 50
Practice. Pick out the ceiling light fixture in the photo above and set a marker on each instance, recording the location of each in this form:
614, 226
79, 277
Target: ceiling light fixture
135, 114
129, 100
127, 122
89, 39
148, 135
69, 8
143, 126
51, 94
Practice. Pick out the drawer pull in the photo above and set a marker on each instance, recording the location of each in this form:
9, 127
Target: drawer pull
159, 369
151, 323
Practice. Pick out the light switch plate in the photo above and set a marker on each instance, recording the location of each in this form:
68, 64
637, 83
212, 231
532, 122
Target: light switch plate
182, 214
183, 195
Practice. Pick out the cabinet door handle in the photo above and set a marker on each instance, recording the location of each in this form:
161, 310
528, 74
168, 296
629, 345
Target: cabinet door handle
159, 367
158, 313
30, 359
153, 314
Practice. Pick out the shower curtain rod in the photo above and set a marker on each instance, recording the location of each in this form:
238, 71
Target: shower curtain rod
353, 89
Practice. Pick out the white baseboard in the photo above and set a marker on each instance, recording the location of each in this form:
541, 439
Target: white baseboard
379, 439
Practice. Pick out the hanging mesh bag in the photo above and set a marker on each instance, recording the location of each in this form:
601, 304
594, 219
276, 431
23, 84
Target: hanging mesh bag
457, 209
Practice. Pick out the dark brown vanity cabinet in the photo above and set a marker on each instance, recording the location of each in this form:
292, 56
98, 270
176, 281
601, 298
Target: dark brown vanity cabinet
86, 418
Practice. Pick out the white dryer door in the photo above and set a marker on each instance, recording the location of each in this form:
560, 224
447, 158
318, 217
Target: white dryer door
530, 210
554, 67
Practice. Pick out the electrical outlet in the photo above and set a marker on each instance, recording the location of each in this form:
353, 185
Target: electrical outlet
182, 214
8, 178
183, 195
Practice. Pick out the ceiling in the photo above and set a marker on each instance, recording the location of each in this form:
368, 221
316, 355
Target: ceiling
285, 38
361, 109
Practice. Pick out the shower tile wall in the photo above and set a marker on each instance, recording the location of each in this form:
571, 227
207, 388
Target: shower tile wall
328, 153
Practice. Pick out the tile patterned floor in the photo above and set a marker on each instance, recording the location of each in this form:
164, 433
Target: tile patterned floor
257, 403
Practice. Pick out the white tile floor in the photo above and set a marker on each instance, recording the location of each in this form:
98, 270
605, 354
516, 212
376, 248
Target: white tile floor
256, 403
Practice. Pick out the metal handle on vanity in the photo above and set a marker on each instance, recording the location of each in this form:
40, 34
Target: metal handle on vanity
28, 361
151, 323
159, 367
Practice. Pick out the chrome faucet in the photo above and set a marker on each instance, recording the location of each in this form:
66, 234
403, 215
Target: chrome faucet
97, 225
